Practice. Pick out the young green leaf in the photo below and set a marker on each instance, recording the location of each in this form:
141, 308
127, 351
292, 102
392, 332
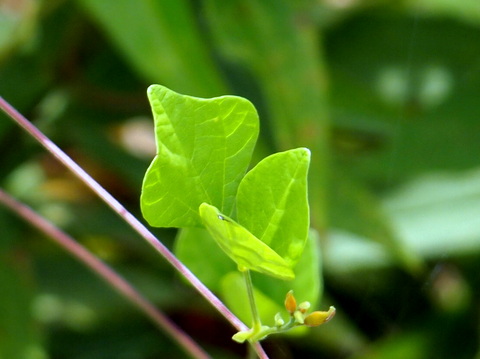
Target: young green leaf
243, 247
203, 150
272, 202
191, 246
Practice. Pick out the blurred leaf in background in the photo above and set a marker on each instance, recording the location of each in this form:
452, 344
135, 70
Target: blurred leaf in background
385, 94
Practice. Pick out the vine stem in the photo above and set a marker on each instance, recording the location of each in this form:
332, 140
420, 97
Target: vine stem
257, 324
129, 218
106, 273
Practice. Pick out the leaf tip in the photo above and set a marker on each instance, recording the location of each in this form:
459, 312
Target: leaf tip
305, 152
287, 274
152, 89
204, 208
290, 275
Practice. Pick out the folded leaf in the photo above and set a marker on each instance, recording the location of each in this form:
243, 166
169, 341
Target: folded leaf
307, 286
203, 150
243, 247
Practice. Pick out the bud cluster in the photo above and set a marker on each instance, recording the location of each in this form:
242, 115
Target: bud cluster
298, 316
299, 313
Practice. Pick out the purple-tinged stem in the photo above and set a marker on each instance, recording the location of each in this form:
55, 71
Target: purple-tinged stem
127, 217
120, 210
106, 273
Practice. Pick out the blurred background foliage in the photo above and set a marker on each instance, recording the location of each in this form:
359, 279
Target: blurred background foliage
385, 93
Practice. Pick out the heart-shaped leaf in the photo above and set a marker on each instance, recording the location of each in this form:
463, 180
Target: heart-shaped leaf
242, 246
272, 202
203, 150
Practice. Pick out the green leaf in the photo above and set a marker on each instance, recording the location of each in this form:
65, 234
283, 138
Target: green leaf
158, 39
272, 202
203, 150
368, 218
441, 209
191, 245
287, 63
388, 119
20, 337
466, 11
17, 25
285, 59
213, 270
307, 285
243, 247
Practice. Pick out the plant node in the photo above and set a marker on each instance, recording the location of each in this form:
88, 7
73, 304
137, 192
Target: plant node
298, 316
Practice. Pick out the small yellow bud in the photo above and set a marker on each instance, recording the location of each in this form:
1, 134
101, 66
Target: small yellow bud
303, 307
317, 318
290, 303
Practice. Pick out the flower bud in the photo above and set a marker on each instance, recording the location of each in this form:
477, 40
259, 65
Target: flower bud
279, 320
304, 306
290, 303
317, 318
299, 317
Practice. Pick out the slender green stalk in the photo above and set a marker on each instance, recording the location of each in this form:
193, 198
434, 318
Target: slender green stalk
251, 354
257, 324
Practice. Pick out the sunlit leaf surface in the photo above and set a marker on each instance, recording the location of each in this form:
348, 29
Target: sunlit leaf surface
203, 149
272, 202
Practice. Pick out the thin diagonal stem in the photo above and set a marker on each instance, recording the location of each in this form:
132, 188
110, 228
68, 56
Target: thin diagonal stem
121, 211
126, 216
106, 273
